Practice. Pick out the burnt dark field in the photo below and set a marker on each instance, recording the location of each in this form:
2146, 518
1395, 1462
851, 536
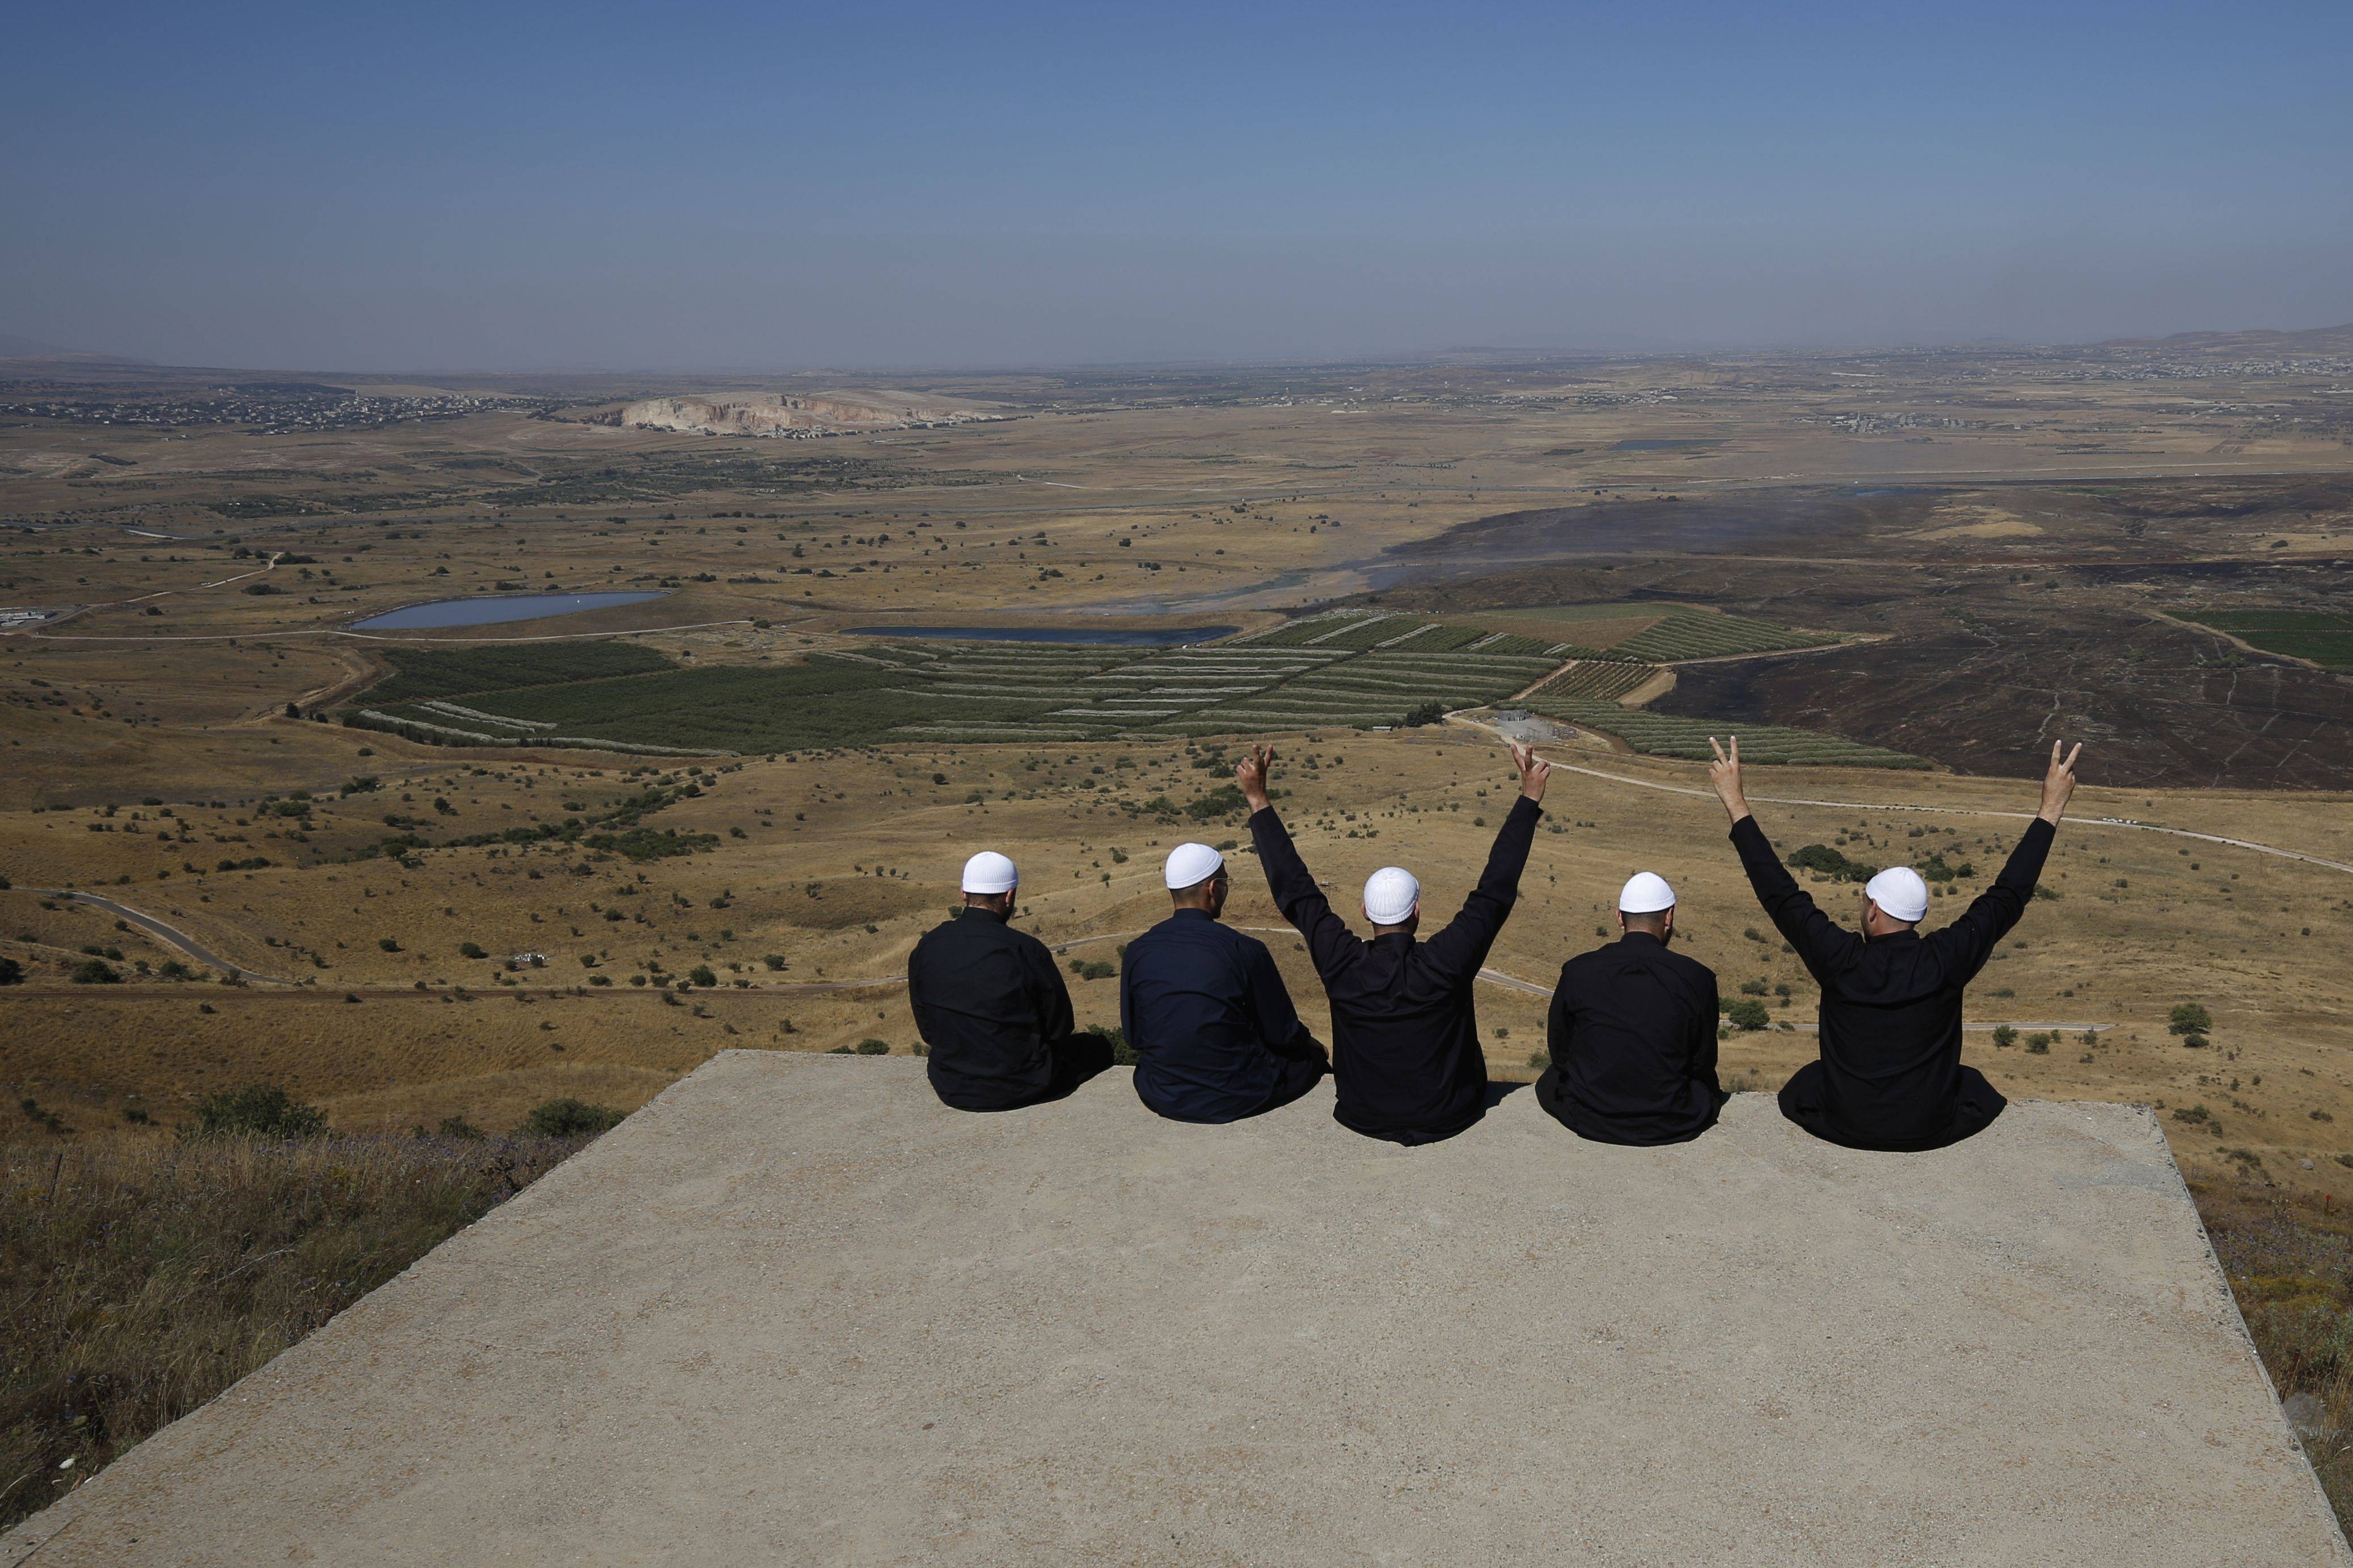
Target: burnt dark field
1997, 615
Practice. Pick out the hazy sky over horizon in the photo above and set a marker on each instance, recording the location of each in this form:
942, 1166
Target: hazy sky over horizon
657, 187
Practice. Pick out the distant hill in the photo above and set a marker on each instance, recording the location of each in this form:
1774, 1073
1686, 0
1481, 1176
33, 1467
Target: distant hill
2316, 340
12, 347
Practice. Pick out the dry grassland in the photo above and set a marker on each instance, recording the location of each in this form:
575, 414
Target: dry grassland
1200, 504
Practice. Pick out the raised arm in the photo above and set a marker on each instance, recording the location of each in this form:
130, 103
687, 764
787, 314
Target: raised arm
1330, 942
1463, 946
1969, 940
1822, 944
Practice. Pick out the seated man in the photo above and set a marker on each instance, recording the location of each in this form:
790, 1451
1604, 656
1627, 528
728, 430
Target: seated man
1214, 1035
1405, 1040
991, 1005
1633, 1032
1890, 1074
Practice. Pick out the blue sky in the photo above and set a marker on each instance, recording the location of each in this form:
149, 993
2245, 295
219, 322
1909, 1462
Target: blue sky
713, 187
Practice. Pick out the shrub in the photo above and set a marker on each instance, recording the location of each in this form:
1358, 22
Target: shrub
2191, 1019
1122, 1053
459, 1126
2004, 1036
1828, 861
11, 972
387, 944
96, 972
702, 974
870, 1046
1423, 713
1222, 801
569, 1117
1748, 1013
2038, 1044
257, 1110
470, 950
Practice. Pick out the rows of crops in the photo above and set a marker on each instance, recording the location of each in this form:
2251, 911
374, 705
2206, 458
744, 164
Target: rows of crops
1693, 634
1598, 678
2324, 637
1666, 735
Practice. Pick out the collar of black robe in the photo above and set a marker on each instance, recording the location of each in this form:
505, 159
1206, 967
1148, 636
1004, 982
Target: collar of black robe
1404, 936
971, 909
1650, 937
1911, 930
1178, 914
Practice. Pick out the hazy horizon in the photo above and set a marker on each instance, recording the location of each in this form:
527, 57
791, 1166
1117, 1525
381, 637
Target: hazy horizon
581, 190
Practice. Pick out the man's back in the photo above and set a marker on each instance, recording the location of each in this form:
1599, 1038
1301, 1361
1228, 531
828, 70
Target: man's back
990, 1006
1203, 1005
1891, 1074
1632, 1033
1405, 1035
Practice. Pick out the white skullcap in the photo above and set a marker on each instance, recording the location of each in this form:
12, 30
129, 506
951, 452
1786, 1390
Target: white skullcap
989, 872
1188, 864
1645, 893
1899, 893
1390, 894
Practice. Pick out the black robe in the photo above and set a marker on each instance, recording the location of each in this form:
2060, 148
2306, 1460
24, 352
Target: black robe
1406, 1062
1890, 1074
1632, 1036
995, 1015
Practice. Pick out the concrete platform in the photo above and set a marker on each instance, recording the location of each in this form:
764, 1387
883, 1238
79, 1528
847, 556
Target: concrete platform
796, 1312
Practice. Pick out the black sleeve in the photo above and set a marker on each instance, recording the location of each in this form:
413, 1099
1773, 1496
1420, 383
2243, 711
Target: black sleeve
1051, 996
1559, 1027
1822, 946
1462, 947
1703, 1036
1330, 942
1969, 942
1269, 999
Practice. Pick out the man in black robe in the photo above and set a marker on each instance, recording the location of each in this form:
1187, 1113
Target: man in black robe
1632, 1032
1215, 1034
992, 1008
1405, 1039
1889, 1076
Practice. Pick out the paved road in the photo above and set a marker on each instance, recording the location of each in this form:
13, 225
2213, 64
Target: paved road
169, 935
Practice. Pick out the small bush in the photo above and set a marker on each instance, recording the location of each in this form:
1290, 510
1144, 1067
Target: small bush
257, 1110
2191, 1019
702, 974
471, 950
1748, 1013
870, 1046
459, 1126
2038, 1044
569, 1117
2004, 1036
96, 972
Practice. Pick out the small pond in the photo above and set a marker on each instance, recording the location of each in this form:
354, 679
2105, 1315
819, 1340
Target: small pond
1121, 637
492, 611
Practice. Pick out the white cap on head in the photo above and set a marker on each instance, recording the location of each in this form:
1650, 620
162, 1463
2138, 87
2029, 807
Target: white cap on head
1390, 894
1899, 893
1645, 893
989, 872
1189, 864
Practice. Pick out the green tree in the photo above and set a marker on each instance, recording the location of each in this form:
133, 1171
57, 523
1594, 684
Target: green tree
1748, 1013
2191, 1019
